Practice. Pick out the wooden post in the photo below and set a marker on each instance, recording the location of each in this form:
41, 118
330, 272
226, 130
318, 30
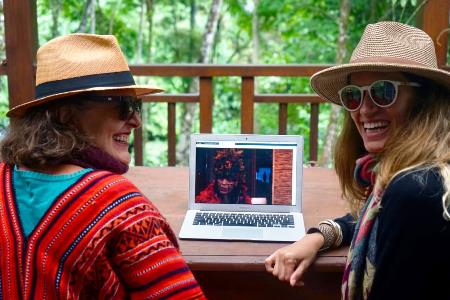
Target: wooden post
433, 19
21, 45
171, 134
247, 103
206, 101
282, 118
138, 146
314, 132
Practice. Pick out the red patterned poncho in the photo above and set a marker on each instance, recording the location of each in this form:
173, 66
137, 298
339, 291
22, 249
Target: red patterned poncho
100, 239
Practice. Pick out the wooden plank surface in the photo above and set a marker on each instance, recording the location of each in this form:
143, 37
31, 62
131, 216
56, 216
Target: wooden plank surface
168, 189
235, 270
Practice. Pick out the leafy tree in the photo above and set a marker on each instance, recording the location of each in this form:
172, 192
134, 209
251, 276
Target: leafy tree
169, 31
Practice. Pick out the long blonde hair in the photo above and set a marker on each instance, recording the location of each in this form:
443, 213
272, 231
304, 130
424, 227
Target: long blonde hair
348, 148
423, 141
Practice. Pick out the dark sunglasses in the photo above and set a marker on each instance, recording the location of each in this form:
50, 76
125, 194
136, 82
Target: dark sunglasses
127, 105
382, 92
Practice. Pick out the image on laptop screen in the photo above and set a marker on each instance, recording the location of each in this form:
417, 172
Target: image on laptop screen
253, 173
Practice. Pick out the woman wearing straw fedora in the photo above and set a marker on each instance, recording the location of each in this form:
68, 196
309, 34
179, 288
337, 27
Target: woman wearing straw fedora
392, 159
72, 226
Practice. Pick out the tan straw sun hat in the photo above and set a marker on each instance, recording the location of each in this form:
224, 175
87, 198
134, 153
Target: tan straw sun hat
384, 47
78, 63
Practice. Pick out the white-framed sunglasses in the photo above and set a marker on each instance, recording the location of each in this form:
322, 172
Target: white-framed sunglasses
382, 92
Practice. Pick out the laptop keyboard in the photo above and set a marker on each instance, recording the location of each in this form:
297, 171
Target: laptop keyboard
243, 219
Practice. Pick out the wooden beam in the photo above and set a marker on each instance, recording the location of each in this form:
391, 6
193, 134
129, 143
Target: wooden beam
171, 98
211, 70
288, 98
433, 19
21, 44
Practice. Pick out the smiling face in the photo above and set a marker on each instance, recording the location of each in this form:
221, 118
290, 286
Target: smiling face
226, 185
101, 123
374, 123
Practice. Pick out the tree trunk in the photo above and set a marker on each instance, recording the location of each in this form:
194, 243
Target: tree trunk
147, 108
149, 15
332, 128
55, 10
176, 40
255, 52
189, 110
146, 15
93, 4
255, 33
2, 32
113, 17
373, 11
84, 18
140, 37
193, 14
210, 32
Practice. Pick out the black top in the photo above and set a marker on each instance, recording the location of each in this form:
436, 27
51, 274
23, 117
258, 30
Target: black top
413, 239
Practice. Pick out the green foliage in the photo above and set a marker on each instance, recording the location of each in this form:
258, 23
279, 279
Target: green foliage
4, 105
289, 31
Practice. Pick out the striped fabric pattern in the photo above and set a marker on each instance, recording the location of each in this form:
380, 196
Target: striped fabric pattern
100, 239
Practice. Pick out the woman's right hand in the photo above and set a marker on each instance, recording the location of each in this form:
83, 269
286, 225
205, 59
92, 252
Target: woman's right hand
290, 263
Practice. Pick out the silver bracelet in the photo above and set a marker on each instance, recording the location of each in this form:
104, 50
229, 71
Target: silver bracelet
332, 234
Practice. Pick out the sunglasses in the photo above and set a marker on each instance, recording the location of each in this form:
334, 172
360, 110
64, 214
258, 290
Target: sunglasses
382, 92
127, 105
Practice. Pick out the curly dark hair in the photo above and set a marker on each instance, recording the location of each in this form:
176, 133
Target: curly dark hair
45, 136
229, 163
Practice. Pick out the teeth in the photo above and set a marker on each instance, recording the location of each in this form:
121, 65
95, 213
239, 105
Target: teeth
121, 138
376, 124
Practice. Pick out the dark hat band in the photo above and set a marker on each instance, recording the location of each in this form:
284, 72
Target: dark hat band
84, 82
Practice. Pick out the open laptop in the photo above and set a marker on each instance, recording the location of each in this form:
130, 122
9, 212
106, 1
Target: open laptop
245, 187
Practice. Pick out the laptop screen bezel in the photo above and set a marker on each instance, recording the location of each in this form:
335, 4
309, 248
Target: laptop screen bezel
247, 138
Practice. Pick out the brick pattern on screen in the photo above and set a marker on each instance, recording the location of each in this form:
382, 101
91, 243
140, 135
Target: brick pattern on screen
282, 176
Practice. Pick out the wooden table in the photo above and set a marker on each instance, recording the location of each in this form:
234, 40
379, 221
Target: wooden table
235, 270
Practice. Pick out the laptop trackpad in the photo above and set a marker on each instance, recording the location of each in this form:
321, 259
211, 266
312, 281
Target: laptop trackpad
242, 233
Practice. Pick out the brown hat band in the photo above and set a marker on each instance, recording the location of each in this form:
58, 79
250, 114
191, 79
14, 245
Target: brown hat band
114, 79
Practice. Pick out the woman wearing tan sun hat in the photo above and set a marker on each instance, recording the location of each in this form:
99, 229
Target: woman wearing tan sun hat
73, 226
392, 159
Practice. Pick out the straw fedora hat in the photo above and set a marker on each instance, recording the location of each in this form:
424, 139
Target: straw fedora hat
79, 63
384, 47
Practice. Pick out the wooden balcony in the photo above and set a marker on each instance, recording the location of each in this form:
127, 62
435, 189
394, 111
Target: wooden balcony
205, 96
21, 39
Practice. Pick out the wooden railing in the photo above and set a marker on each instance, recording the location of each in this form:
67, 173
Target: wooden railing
205, 97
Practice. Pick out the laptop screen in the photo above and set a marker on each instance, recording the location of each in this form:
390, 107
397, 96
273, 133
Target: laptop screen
246, 172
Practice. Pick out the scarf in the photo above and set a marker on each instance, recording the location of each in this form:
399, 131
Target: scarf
360, 267
96, 158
